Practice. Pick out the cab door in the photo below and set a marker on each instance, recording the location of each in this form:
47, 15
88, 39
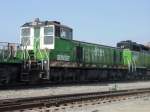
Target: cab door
79, 54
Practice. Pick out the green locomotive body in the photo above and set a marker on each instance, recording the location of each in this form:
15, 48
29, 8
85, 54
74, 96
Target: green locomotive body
48, 53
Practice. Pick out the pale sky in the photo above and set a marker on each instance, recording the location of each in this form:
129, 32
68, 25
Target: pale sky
97, 21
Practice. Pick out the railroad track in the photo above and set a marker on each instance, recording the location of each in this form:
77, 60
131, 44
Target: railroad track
21, 86
58, 100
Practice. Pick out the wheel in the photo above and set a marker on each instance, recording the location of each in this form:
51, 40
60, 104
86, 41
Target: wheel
6, 78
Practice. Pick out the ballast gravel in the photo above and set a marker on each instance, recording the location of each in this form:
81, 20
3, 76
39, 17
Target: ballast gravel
44, 91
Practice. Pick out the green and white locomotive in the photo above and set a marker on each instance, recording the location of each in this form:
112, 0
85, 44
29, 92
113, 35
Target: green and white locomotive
48, 53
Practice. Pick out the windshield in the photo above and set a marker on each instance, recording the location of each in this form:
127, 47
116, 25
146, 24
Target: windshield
25, 32
48, 35
25, 36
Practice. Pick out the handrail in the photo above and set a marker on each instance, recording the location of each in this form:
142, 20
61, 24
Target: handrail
24, 53
38, 50
46, 54
34, 48
27, 50
48, 66
128, 64
134, 64
23, 50
41, 57
8, 55
3, 53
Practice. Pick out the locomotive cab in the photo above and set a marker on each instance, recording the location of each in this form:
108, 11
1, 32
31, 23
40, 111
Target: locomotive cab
37, 41
41, 34
133, 46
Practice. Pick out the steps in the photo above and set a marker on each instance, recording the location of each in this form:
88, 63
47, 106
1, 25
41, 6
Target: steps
31, 54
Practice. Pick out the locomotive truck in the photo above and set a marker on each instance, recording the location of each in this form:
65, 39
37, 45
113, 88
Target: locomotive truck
48, 53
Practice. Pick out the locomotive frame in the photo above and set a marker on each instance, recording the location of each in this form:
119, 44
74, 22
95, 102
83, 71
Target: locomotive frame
48, 53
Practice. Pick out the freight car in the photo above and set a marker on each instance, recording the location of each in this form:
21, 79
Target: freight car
48, 53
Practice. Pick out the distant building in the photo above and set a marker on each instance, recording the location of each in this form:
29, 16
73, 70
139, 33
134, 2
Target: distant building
148, 44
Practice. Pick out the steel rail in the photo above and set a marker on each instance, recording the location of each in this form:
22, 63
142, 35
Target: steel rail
34, 102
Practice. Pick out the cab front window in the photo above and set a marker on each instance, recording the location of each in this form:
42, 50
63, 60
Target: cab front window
48, 35
25, 36
25, 32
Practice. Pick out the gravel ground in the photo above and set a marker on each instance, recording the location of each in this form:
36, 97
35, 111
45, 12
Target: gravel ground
8, 94
133, 105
